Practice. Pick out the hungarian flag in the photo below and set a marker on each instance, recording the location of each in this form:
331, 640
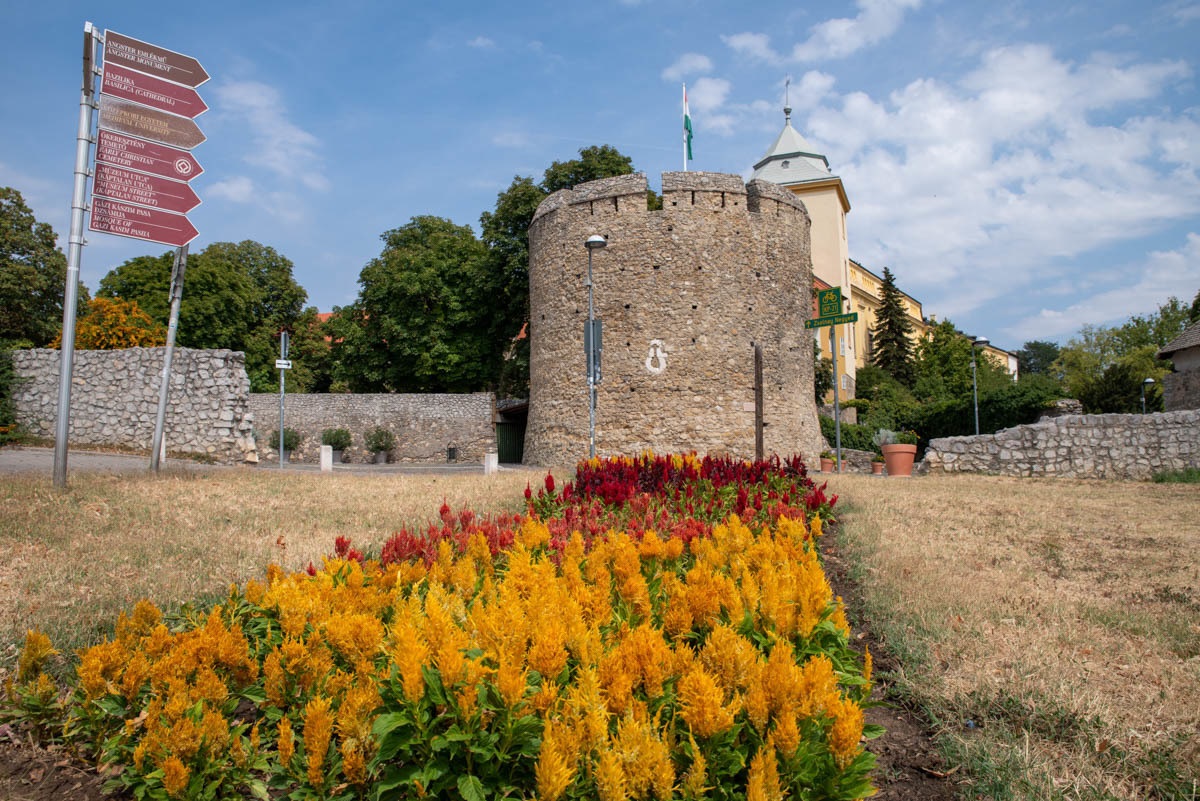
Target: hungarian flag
687, 127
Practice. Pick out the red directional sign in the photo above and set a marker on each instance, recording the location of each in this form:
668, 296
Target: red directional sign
152, 60
137, 222
138, 154
143, 190
130, 118
154, 92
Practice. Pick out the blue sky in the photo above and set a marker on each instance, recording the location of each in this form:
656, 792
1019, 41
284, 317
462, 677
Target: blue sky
1023, 170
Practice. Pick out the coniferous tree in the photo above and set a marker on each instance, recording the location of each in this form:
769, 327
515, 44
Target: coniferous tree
892, 333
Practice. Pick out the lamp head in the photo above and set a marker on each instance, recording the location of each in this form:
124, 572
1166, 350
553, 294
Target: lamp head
595, 242
1148, 382
980, 342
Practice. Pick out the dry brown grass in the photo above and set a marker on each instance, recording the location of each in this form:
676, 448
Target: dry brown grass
75, 559
1062, 618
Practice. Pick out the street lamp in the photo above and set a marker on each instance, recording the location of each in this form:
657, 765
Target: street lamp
594, 242
978, 342
1145, 386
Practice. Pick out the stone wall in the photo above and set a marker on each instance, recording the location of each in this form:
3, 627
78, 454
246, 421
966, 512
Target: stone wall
1113, 446
114, 399
1181, 390
424, 425
684, 294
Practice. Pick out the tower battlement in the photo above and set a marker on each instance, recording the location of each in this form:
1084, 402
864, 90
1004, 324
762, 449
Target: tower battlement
685, 294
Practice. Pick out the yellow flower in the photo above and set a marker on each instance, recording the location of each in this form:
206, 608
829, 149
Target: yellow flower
839, 616
553, 771
700, 704
730, 658
286, 742
694, 781
610, 777
214, 733
846, 731
34, 655
763, 783
356, 636
175, 776
409, 653
354, 764
786, 733
815, 526
868, 669
318, 728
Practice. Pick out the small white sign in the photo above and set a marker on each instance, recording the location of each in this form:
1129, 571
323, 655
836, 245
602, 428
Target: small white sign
283, 364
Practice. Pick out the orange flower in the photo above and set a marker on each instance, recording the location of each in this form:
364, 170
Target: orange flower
175, 776
700, 704
846, 731
318, 728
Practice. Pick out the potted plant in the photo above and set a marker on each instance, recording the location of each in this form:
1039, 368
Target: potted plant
338, 439
899, 451
828, 461
380, 441
291, 440
877, 464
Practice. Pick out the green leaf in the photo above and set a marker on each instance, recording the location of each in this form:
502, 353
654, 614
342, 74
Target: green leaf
258, 789
873, 730
471, 788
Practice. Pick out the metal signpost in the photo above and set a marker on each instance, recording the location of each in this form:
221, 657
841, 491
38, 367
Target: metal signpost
147, 104
829, 306
283, 364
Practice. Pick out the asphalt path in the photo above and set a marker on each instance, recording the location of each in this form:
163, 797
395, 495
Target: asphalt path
23, 459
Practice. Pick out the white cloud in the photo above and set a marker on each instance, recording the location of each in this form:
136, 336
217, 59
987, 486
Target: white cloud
838, 38
708, 94
239, 189
687, 64
1143, 286
481, 42
813, 87
279, 144
756, 46
977, 191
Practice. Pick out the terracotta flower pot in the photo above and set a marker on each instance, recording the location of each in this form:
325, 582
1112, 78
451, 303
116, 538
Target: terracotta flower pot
826, 465
876, 468
899, 459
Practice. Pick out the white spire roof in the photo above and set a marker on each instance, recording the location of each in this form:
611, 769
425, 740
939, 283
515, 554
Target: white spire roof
791, 159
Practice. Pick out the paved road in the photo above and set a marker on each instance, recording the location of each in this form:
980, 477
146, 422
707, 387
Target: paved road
41, 460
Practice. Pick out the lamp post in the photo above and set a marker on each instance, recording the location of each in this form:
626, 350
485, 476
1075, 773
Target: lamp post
978, 342
1145, 386
594, 242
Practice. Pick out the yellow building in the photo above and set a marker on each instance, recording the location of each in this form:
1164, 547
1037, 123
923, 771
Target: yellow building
793, 163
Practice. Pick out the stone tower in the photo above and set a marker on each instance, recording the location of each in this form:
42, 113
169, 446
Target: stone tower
684, 294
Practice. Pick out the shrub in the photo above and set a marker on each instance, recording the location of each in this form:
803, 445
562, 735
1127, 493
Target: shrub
379, 439
8, 380
336, 438
291, 439
854, 436
1188, 475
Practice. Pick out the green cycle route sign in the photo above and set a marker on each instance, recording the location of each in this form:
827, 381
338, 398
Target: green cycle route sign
837, 319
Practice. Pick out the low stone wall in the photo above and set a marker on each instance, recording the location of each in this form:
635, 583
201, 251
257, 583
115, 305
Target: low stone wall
1181, 390
1111, 446
114, 399
424, 425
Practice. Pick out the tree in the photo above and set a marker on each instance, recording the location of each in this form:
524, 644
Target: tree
421, 321
112, 324
822, 374
892, 333
594, 163
33, 276
1036, 357
1194, 312
943, 367
237, 296
1118, 390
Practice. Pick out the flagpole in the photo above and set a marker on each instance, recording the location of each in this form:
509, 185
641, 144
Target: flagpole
685, 133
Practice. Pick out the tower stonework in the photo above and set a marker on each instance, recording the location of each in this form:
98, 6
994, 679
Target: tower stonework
684, 294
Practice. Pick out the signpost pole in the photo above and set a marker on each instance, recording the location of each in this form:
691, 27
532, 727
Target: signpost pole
177, 272
758, 402
837, 406
283, 354
66, 364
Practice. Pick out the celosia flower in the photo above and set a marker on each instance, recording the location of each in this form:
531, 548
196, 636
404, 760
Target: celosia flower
700, 704
34, 655
318, 728
695, 780
286, 742
553, 771
763, 782
610, 777
175, 776
846, 731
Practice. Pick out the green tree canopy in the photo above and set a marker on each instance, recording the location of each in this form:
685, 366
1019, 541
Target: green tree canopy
33, 276
236, 295
421, 322
1194, 312
943, 366
1036, 357
594, 163
893, 349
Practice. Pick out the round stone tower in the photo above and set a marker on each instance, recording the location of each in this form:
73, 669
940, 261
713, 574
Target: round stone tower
685, 294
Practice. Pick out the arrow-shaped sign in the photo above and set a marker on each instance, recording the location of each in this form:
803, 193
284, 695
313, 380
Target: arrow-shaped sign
153, 60
154, 92
151, 225
138, 154
144, 190
130, 118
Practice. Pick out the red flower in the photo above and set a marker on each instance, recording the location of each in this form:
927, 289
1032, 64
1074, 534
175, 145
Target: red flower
341, 546
550, 483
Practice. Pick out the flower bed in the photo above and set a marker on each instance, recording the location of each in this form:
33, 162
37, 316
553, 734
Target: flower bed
631, 637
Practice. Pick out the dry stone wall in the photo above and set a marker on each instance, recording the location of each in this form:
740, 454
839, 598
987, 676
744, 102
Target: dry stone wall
1112, 446
425, 425
684, 294
114, 399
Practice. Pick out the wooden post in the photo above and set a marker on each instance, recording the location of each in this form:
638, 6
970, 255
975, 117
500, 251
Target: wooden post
758, 403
